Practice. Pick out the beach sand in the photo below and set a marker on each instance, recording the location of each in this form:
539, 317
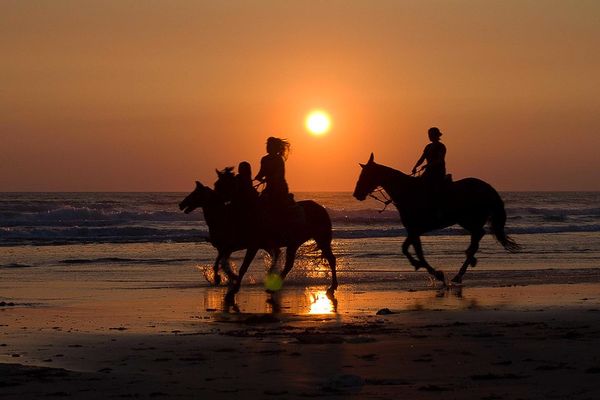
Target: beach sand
98, 341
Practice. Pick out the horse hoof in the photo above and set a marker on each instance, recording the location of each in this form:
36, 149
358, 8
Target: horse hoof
439, 275
417, 264
330, 292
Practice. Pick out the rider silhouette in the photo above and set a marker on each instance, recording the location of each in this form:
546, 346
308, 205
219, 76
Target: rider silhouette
245, 193
244, 199
434, 153
435, 170
276, 195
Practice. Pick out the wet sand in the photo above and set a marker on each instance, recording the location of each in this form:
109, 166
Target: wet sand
529, 342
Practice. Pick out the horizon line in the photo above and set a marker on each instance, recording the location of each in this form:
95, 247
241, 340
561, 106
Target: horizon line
297, 191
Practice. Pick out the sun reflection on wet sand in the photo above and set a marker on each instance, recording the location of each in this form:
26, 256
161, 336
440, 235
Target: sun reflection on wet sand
291, 301
368, 299
320, 303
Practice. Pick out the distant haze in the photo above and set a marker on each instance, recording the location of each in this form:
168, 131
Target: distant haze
152, 95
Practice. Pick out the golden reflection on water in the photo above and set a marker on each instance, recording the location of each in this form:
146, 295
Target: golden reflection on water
298, 302
365, 300
320, 303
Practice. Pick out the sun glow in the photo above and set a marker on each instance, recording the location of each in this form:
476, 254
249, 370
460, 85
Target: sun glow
318, 122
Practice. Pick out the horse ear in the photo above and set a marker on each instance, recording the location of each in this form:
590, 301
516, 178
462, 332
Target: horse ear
361, 165
371, 159
198, 185
218, 172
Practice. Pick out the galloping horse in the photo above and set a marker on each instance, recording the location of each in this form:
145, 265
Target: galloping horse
228, 234
468, 202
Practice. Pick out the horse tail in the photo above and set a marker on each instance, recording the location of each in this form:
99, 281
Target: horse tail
319, 225
498, 221
317, 221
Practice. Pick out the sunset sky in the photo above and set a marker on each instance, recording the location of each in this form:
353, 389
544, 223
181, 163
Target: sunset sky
152, 95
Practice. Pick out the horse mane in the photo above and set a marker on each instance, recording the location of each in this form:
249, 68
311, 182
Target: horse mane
227, 172
393, 173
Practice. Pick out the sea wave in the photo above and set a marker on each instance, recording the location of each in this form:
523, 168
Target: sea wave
553, 211
67, 218
120, 260
16, 265
69, 215
14, 236
128, 234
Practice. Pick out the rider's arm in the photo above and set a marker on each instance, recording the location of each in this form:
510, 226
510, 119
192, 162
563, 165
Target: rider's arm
419, 162
262, 173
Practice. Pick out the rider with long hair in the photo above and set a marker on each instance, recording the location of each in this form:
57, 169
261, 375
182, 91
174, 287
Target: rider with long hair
272, 172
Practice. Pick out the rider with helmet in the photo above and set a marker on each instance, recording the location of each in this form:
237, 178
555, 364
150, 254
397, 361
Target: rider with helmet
434, 153
276, 194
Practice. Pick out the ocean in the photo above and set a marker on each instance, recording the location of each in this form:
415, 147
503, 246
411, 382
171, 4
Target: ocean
144, 237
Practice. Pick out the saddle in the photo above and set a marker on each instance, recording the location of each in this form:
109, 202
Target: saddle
280, 221
435, 194
438, 186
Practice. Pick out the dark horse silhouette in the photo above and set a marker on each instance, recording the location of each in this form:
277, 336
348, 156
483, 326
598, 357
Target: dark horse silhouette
468, 202
227, 234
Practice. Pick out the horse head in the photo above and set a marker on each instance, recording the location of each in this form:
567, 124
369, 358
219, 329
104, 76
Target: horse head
368, 180
225, 185
198, 198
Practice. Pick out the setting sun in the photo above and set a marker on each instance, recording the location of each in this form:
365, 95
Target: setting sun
318, 122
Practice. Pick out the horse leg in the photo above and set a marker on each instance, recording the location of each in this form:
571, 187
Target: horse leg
222, 259
439, 275
216, 278
275, 252
235, 286
231, 276
328, 254
405, 246
476, 236
290, 256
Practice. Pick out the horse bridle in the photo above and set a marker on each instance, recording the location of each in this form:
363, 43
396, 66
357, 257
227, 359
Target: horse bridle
380, 192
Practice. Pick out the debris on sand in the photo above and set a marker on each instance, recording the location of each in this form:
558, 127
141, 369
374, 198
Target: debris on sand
344, 383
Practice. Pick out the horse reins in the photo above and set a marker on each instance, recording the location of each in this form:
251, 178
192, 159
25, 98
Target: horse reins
418, 172
382, 193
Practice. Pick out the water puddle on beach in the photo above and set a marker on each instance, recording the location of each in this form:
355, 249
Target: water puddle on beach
366, 300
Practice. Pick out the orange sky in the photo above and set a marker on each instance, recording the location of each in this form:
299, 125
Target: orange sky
151, 95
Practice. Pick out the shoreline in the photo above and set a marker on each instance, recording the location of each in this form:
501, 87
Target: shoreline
534, 341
